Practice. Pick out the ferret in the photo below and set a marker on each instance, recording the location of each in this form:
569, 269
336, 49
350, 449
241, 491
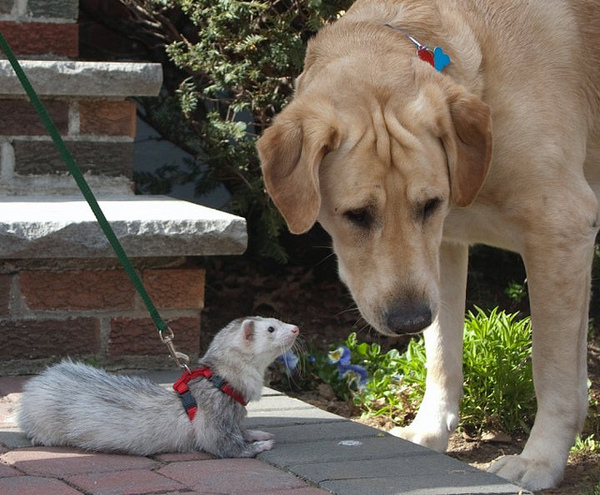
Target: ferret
81, 406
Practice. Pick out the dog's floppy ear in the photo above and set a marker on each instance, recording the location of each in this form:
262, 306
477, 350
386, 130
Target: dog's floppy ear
291, 151
467, 139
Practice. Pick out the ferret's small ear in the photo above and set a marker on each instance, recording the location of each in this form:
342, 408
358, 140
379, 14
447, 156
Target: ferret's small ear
248, 329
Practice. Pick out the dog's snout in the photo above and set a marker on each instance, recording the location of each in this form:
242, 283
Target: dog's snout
409, 318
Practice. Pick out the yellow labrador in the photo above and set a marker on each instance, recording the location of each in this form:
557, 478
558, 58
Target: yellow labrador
389, 147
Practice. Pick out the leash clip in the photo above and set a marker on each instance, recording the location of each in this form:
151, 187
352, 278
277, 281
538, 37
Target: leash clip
182, 360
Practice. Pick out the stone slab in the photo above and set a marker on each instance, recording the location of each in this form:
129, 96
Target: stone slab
83, 79
273, 403
65, 227
342, 450
403, 473
437, 484
57, 9
309, 415
315, 432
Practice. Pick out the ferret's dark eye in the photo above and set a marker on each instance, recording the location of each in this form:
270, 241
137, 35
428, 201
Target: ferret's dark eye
271, 329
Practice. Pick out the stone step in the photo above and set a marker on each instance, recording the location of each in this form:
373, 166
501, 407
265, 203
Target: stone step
147, 226
56, 78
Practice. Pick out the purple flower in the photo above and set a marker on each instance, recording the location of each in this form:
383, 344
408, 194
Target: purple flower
290, 361
340, 356
354, 373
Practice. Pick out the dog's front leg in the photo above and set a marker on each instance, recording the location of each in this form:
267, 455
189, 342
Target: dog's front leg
558, 258
438, 415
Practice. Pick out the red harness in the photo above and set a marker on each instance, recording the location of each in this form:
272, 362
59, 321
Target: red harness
188, 401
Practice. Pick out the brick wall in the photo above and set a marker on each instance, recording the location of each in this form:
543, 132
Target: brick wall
41, 27
59, 309
99, 134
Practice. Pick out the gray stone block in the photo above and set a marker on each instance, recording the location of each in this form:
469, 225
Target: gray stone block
347, 449
437, 484
6, 6
273, 403
407, 473
14, 439
83, 79
104, 158
309, 415
58, 9
315, 432
65, 227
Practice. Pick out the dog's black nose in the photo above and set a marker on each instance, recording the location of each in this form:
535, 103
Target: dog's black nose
409, 318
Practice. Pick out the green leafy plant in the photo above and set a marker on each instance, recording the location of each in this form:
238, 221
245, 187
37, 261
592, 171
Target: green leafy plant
498, 383
498, 386
235, 64
516, 291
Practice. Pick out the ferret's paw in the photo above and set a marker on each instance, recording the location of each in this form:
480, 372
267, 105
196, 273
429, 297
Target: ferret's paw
35, 442
257, 435
262, 446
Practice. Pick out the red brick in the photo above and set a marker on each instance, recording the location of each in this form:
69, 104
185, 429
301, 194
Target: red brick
12, 385
63, 461
77, 290
107, 118
37, 38
307, 490
19, 118
125, 482
8, 472
35, 339
5, 283
177, 288
138, 336
29, 485
230, 476
178, 457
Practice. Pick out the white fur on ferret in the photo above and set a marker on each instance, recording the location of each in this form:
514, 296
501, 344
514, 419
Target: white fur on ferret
77, 405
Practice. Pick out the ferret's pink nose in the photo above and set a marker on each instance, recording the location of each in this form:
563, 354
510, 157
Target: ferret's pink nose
295, 330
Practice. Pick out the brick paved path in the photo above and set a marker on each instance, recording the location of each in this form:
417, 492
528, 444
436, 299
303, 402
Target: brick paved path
316, 452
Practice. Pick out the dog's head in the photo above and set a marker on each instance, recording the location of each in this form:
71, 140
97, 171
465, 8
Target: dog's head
378, 155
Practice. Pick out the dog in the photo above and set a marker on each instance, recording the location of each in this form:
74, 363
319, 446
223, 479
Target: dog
406, 160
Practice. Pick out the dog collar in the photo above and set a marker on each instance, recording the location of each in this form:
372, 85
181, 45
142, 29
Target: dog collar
436, 57
187, 399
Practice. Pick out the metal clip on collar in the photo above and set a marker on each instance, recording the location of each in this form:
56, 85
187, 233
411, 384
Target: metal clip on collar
182, 360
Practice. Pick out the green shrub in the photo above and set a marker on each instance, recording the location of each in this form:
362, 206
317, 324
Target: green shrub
498, 387
236, 61
498, 383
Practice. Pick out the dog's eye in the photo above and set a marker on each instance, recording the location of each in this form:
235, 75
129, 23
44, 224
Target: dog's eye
430, 207
360, 217
271, 329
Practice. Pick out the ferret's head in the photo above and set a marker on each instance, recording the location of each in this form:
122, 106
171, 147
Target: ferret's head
256, 340
263, 339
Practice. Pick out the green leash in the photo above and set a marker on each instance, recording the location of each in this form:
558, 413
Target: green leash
166, 334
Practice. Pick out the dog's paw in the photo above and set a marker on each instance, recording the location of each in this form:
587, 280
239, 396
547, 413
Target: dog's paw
435, 439
257, 435
530, 474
